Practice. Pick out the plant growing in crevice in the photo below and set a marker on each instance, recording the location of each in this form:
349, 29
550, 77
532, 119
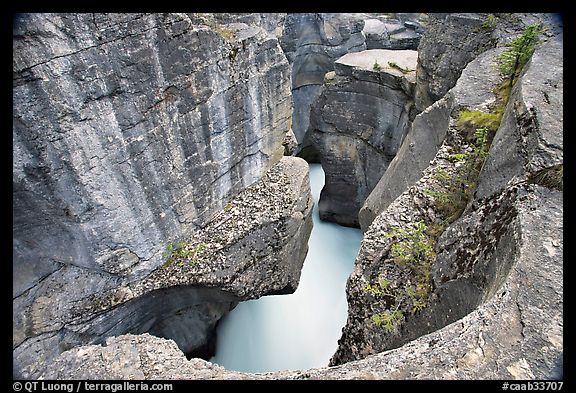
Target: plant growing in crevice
512, 60
403, 70
413, 250
183, 253
490, 22
376, 66
551, 177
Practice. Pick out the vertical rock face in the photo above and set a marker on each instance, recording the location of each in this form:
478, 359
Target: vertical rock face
449, 43
357, 125
485, 248
97, 99
133, 131
312, 42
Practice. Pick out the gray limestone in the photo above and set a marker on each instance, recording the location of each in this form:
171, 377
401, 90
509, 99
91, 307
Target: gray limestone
449, 43
479, 254
474, 90
133, 131
357, 125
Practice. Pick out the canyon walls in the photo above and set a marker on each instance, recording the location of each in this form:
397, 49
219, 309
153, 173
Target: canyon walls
133, 132
357, 125
465, 256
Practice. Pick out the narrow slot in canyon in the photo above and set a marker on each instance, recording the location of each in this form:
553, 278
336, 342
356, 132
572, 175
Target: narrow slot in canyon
299, 330
287, 196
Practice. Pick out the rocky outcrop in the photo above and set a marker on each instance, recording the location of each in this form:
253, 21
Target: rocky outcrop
428, 129
472, 258
255, 246
474, 90
449, 43
357, 125
403, 31
133, 131
516, 334
270, 22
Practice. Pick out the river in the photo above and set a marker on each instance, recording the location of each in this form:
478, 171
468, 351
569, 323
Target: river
300, 330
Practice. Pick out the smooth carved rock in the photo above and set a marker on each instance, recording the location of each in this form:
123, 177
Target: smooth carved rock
394, 33
132, 131
478, 254
256, 246
516, 334
474, 90
357, 125
532, 138
312, 42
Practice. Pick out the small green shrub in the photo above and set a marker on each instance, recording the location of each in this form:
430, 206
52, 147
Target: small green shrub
182, 253
478, 119
376, 66
388, 320
490, 22
412, 245
403, 70
440, 174
458, 157
512, 60
228, 207
380, 289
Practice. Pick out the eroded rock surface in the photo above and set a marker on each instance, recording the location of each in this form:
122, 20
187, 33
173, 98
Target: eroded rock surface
449, 43
474, 255
256, 246
516, 334
357, 125
133, 131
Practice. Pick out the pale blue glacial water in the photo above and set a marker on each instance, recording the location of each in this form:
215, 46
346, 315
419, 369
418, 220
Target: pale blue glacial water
300, 330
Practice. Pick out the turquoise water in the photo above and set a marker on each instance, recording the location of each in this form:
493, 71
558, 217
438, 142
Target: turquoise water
301, 330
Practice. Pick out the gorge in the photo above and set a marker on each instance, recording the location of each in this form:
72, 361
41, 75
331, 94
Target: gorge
160, 178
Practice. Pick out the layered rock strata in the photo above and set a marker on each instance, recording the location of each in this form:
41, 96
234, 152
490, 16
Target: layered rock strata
98, 100
474, 255
357, 125
255, 246
427, 131
312, 42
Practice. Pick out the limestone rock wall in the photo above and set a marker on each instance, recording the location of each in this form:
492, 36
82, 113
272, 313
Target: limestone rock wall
474, 90
98, 98
475, 254
449, 43
255, 246
130, 132
357, 125
312, 42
